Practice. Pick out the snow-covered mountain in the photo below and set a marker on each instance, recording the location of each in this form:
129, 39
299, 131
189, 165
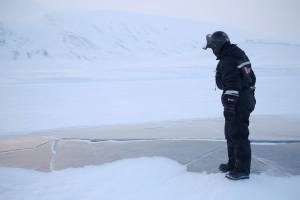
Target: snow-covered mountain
38, 33
98, 35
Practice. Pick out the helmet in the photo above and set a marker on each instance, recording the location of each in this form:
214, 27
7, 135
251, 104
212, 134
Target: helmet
216, 41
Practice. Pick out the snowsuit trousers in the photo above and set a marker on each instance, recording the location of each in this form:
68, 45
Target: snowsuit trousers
237, 133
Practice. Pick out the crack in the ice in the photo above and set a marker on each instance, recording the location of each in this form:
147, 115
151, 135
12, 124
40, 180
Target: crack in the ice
253, 142
25, 149
42, 144
16, 150
53, 154
140, 140
273, 168
206, 154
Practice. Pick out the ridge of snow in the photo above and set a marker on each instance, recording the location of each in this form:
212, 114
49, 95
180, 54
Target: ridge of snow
141, 178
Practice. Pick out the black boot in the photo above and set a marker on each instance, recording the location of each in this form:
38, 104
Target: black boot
237, 175
225, 167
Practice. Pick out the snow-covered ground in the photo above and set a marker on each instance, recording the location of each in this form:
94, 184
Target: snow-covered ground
141, 178
38, 95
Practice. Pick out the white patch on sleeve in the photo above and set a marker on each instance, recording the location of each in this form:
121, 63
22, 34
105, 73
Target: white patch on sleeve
232, 92
244, 64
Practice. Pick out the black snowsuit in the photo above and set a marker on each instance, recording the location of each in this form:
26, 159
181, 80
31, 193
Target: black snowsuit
236, 78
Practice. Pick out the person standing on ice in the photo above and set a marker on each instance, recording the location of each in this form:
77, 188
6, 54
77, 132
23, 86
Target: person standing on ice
234, 75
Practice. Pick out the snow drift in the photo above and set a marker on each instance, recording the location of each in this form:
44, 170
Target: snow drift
141, 178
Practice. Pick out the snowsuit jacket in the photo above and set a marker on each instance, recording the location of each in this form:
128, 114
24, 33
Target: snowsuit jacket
234, 72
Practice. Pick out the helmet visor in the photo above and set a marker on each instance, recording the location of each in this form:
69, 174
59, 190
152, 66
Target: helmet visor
208, 42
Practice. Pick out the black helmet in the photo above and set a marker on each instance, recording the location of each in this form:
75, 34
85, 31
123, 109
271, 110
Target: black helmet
216, 41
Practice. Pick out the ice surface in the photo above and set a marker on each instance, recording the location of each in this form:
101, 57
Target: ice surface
141, 178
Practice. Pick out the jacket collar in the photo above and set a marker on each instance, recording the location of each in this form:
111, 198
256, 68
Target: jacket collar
226, 50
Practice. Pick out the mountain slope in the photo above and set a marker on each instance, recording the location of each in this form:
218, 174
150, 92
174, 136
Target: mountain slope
98, 35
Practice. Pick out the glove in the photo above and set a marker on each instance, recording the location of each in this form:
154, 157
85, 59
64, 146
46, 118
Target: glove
218, 78
229, 101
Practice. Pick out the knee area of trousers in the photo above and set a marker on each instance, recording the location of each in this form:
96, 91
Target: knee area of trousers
241, 142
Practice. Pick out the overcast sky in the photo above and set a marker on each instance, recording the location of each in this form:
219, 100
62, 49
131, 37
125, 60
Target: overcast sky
274, 17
